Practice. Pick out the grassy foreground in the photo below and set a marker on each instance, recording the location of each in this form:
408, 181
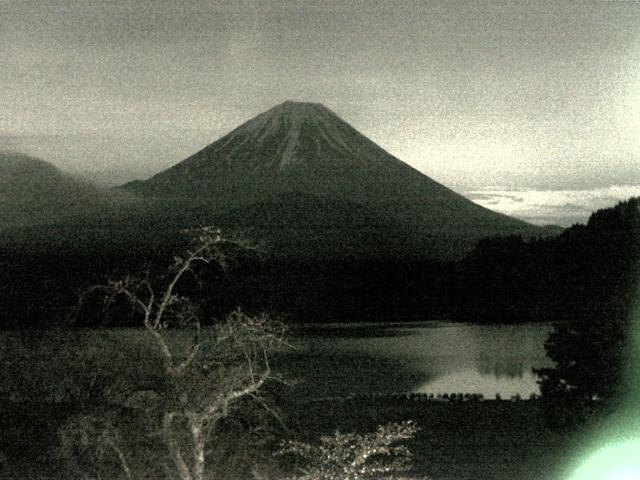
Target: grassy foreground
466, 440
459, 440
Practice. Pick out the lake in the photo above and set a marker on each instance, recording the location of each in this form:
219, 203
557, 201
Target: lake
428, 357
328, 360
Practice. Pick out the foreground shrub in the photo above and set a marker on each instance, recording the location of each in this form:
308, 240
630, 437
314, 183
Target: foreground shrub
352, 456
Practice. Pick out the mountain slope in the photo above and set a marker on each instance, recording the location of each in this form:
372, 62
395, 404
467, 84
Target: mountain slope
33, 191
306, 148
310, 226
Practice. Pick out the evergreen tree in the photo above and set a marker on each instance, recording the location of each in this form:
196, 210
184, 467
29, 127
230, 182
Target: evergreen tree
597, 279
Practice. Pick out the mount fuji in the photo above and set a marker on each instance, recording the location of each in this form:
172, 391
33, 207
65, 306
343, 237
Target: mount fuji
301, 157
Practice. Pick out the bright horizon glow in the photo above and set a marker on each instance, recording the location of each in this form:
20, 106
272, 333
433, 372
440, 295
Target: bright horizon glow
546, 207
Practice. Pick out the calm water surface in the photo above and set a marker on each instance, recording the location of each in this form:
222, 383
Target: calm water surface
430, 357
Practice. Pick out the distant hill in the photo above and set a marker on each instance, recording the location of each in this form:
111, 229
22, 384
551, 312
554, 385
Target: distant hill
297, 150
33, 191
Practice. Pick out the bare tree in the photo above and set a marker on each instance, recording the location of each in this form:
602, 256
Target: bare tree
352, 456
206, 371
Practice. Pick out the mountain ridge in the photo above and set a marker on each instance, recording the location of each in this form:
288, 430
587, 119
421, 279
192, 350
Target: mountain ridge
300, 147
34, 191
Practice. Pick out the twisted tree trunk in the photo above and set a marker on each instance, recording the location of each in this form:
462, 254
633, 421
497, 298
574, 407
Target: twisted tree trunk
198, 449
174, 450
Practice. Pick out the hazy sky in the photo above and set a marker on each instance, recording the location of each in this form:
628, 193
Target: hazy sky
528, 107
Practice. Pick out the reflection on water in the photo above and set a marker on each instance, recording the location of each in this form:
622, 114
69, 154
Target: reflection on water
430, 357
